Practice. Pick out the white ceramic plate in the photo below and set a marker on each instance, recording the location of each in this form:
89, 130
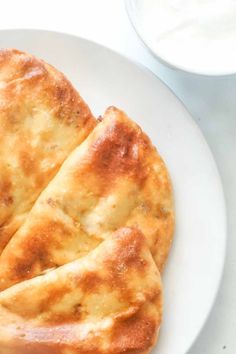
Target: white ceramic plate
105, 78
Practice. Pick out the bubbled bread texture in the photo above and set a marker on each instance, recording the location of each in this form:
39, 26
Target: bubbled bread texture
43, 118
81, 271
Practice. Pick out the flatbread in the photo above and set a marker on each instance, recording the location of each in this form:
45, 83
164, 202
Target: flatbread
109, 301
42, 119
115, 178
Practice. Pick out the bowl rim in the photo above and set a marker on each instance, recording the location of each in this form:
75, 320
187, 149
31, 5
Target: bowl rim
164, 60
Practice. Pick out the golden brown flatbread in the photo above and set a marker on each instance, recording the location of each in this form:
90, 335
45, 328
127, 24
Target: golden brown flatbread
108, 302
115, 178
42, 119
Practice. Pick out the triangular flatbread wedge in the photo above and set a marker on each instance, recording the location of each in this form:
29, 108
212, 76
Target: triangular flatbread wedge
108, 302
42, 119
115, 178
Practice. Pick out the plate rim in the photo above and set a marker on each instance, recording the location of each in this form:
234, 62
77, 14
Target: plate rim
191, 120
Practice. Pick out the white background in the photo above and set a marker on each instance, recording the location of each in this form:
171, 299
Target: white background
211, 101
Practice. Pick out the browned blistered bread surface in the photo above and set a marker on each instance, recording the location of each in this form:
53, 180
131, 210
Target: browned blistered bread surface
115, 178
42, 119
87, 220
109, 301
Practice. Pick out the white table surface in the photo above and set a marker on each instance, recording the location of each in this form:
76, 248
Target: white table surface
211, 101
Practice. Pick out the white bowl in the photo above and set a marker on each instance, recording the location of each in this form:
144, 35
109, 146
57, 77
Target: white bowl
212, 59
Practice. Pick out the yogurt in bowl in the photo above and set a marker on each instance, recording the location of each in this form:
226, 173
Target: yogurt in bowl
193, 35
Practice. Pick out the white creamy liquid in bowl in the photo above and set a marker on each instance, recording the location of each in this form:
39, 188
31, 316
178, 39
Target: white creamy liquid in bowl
195, 35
